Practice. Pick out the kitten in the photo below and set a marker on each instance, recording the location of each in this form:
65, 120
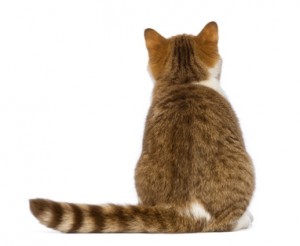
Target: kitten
194, 174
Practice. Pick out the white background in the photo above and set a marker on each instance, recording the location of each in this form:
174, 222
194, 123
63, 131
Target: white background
74, 93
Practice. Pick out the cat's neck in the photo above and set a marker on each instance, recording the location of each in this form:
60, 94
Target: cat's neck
213, 82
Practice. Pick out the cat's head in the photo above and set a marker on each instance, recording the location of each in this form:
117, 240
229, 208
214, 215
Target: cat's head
184, 58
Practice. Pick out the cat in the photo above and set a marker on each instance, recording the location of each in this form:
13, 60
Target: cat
194, 174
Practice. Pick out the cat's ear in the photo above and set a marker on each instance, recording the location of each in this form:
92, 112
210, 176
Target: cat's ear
209, 33
153, 39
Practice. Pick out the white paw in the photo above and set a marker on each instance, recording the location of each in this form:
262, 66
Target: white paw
244, 222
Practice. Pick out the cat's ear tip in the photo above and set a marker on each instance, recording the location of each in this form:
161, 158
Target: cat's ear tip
209, 33
148, 30
212, 24
151, 34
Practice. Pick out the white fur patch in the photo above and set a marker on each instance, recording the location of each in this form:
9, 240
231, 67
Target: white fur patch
244, 222
213, 80
214, 84
215, 72
197, 211
150, 73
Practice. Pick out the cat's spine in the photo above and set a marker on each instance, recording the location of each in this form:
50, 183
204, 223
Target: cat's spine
67, 217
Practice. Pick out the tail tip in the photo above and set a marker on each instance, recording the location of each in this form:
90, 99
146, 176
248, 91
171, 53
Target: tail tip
37, 206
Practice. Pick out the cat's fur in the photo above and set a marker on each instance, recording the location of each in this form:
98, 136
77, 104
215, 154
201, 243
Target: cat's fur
194, 173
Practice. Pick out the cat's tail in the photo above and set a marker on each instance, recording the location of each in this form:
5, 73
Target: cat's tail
67, 217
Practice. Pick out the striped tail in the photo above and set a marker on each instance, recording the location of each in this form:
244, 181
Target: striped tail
67, 217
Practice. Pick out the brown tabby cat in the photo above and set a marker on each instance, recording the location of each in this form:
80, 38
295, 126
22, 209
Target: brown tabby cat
194, 174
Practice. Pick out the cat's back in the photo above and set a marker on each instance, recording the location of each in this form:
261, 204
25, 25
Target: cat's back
193, 116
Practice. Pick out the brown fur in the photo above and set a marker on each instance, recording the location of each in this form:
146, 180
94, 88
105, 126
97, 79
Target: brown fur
193, 152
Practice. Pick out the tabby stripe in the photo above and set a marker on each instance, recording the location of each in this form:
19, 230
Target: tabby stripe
139, 214
121, 217
96, 213
184, 67
67, 218
57, 213
78, 218
188, 55
193, 64
178, 53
